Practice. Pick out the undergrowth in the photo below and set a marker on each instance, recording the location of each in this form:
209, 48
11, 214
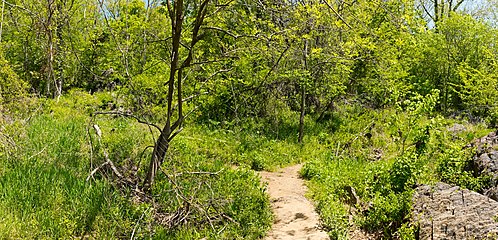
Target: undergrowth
360, 162
375, 160
47, 157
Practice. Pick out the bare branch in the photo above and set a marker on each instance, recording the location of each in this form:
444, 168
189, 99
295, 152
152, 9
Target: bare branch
106, 156
199, 173
427, 11
273, 67
126, 114
194, 96
458, 5
337, 14
178, 123
20, 7
233, 35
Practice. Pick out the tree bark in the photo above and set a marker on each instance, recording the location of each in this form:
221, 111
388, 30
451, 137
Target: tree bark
162, 143
303, 94
301, 117
171, 129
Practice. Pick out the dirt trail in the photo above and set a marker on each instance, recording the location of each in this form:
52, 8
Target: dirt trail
295, 216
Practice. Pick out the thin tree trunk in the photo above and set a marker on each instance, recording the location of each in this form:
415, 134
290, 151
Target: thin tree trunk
303, 95
1, 22
162, 144
301, 118
160, 149
436, 12
171, 129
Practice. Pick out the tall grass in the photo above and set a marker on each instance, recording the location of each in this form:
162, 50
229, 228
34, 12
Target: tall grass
44, 193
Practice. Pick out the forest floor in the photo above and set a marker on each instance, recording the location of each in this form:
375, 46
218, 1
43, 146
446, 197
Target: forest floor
295, 216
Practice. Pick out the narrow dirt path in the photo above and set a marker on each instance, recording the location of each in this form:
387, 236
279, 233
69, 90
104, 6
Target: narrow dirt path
295, 216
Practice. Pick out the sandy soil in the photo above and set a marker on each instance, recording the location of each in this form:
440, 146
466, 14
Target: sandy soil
295, 216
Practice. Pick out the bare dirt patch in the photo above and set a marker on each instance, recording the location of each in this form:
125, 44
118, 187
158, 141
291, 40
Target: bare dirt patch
295, 216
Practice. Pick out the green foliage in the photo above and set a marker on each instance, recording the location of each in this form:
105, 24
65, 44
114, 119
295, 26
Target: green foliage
402, 174
44, 193
12, 88
455, 166
391, 195
384, 184
388, 212
375, 80
328, 178
461, 48
477, 92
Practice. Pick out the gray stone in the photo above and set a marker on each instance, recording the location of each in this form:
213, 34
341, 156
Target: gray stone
448, 212
456, 128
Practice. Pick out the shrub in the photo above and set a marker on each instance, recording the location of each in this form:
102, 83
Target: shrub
11, 87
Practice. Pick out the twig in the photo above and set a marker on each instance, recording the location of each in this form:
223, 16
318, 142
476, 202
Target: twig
222, 229
233, 35
41, 151
337, 150
198, 173
37, 109
9, 140
142, 154
136, 225
199, 139
95, 171
91, 146
125, 114
113, 167
337, 14
274, 66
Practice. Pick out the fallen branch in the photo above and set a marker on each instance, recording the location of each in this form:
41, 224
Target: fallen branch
9, 140
198, 173
38, 153
136, 225
106, 155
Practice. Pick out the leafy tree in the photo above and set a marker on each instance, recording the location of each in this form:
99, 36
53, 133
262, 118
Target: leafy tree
187, 21
460, 43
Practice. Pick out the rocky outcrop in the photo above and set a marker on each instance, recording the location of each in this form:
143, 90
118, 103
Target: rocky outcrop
448, 212
485, 161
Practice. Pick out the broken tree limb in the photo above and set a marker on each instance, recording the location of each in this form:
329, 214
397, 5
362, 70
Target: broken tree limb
106, 156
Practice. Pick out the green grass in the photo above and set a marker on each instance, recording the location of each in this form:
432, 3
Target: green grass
44, 194
382, 170
43, 189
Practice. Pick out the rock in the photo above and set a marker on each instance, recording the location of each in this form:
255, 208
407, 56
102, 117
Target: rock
351, 196
448, 212
457, 128
485, 161
492, 193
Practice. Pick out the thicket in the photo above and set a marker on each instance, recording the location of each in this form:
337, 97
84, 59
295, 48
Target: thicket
362, 91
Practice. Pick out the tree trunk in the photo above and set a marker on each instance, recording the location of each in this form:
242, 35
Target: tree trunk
301, 118
160, 149
162, 144
171, 129
303, 94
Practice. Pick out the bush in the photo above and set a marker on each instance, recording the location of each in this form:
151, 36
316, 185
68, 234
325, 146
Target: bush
455, 167
11, 87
